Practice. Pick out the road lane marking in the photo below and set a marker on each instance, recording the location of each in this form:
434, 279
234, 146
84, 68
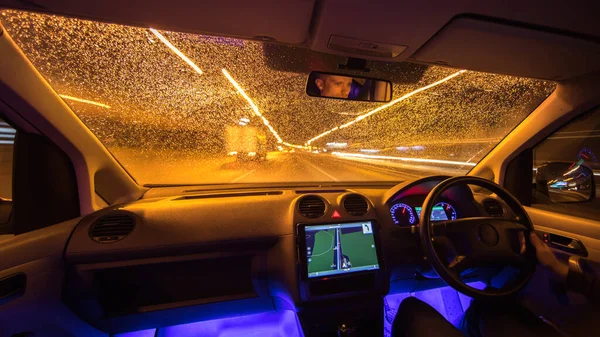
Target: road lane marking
372, 169
241, 177
320, 170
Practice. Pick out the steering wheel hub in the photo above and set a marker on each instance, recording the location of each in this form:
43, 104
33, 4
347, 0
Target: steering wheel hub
488, 235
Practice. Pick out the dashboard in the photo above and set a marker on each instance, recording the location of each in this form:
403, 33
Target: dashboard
300, 248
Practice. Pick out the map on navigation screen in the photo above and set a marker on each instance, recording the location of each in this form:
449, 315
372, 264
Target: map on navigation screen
340, 248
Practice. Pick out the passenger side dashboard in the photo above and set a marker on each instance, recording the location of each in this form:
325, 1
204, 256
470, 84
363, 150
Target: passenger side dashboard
202, 255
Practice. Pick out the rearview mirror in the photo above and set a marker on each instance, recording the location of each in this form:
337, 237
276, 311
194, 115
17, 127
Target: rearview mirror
565, 182
353, 88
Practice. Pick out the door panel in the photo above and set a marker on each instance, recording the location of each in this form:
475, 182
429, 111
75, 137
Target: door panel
38, 309
570, 312
585, 230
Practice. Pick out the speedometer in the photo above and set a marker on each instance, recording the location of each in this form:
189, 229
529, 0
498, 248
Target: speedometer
443, 211
587, 155
403, 215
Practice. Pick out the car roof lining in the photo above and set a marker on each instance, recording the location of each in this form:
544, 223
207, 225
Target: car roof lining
313, 23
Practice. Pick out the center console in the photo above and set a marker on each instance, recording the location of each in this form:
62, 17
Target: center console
342, 278
339, 259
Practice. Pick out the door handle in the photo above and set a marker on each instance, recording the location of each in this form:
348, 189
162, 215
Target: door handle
566, 244
12, 287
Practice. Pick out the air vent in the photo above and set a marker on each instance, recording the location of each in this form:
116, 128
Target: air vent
311, 206
356, 205
112, 227
493, 207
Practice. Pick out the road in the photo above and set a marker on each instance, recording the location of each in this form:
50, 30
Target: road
279, 167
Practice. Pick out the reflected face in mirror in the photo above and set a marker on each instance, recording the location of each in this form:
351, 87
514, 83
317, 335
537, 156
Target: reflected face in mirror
333, 85
353, 88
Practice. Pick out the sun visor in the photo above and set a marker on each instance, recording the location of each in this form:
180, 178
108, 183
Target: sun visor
284, 21
480, 45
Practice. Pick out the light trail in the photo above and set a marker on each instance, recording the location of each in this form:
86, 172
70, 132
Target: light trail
256, 111
404, 159
385, 106
231, 80
176, 51
84, 101
293, 145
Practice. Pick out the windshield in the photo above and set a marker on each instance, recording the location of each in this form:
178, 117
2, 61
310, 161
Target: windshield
177, 108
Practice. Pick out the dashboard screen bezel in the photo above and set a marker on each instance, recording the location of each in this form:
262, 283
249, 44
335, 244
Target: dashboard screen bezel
301, 250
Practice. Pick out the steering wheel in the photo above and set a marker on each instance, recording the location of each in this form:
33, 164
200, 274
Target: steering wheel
479, 241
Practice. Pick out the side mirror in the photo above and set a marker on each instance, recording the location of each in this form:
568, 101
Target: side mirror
565, 182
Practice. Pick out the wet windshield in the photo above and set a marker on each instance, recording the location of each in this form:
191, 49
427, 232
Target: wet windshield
178, 108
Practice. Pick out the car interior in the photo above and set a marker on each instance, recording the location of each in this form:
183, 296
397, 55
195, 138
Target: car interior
293, 168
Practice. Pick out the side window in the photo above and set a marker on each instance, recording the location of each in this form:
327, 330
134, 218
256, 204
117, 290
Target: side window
567, 169
7, 138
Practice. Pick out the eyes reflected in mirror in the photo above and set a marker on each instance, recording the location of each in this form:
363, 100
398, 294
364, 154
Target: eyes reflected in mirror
565, 182
330, 85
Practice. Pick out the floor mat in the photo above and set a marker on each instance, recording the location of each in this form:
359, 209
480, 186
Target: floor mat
447, 301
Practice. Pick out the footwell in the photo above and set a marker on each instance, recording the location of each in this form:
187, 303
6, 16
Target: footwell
269, 324
447, 301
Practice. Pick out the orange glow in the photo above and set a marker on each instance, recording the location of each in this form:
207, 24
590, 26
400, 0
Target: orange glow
385, 106
85, 101
416, 160
294, 145
254, 107
256, 111
175, 50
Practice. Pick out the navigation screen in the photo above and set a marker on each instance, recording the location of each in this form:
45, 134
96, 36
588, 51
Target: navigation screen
340, 248
437, 213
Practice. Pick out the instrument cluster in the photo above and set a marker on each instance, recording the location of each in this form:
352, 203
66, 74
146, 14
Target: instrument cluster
405, 214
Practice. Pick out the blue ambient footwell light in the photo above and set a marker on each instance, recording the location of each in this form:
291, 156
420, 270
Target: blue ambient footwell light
447, 301
268, 324
141, 333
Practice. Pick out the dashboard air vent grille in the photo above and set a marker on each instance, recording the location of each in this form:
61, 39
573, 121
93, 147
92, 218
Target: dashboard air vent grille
112, 227
493, 207
311, 206
356, 205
